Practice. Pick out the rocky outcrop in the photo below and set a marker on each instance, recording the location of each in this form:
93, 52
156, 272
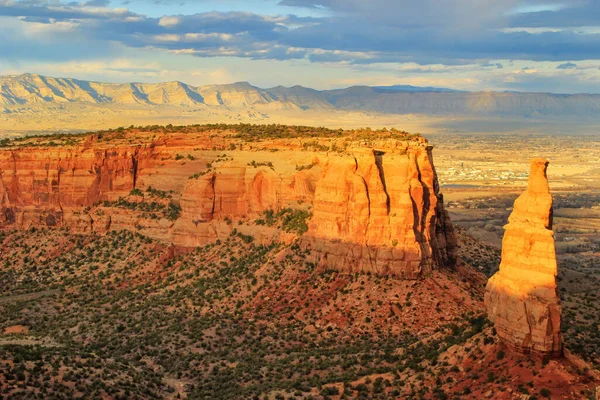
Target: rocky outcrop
375, 206
522, 298
381, 211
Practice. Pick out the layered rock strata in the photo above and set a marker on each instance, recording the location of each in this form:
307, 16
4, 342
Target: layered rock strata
381, 211
521, 298
374, 207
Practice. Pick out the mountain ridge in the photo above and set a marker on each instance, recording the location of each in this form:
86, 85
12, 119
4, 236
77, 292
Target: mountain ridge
33, 90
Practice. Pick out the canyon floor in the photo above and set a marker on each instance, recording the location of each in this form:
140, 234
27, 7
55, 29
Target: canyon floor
122, 315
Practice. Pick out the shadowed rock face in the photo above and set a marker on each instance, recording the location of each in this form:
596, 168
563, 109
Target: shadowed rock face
521, 298
375, 206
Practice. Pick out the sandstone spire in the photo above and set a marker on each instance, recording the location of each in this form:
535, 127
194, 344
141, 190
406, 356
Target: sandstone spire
521, 298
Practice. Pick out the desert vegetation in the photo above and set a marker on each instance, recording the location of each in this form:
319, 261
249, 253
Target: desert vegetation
124, 316
246, 133
121, 315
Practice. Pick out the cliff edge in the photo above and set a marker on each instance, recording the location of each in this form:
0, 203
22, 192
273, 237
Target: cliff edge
365, 201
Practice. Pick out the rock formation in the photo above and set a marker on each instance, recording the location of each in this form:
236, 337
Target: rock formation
375, 206
522, 298
381, 211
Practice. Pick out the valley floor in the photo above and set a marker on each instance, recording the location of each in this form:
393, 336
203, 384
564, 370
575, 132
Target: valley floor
122, 316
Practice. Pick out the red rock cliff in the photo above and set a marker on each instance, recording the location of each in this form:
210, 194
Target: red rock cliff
380, 211
522, 298
375, 207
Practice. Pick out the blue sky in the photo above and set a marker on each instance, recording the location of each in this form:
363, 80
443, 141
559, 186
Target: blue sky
528, 45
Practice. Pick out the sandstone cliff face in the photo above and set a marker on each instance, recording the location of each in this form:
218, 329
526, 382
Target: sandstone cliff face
39, 187
522, 298
374, 207
381, 211
234, 193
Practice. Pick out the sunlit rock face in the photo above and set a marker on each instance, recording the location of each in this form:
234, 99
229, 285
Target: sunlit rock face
374, 205
380, 211
44, 187
521, 298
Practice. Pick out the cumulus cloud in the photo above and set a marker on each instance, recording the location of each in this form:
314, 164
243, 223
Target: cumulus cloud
169, 21
353, 32
38, 41
59, 10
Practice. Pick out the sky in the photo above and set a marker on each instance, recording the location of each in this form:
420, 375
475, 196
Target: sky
524, 45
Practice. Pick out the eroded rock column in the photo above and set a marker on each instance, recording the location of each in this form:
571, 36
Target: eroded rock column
522, 298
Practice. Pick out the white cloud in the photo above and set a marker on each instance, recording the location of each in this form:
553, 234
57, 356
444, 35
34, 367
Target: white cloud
451, 43
169, 21
168, 37
51, 27
204, 36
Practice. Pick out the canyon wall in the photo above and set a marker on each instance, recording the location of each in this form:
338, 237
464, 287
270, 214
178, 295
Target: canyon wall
374, 206
380, 211
522, 298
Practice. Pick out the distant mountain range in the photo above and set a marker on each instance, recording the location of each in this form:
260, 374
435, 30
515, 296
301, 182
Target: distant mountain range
30, 91
410, 88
